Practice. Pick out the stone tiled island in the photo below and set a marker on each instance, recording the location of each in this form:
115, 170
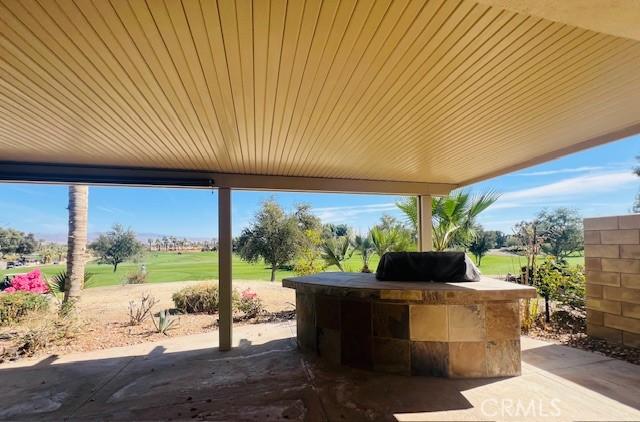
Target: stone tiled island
461, 330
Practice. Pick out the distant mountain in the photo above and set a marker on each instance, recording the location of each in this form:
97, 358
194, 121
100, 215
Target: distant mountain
142, 237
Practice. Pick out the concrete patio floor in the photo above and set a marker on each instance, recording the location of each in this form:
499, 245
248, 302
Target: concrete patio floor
265, 378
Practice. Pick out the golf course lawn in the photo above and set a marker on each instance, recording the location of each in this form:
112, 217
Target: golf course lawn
170, 266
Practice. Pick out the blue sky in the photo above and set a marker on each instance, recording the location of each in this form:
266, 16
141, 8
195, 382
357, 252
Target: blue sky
597, 182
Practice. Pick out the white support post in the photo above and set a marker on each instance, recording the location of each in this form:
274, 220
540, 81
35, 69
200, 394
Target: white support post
425, 228
225, 251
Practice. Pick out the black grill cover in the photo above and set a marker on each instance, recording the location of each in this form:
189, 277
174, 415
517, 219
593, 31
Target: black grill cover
440, 267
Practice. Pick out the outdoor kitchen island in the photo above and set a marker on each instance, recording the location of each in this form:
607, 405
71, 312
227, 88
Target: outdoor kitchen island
458, 330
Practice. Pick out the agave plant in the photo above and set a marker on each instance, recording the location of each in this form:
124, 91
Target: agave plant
364, 245
164, 321
336, 250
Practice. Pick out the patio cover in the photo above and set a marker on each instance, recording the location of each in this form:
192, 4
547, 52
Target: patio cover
435, 93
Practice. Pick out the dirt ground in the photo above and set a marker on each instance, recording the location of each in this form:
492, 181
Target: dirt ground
103, 320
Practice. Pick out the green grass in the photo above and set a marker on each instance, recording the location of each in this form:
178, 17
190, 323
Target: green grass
168, 266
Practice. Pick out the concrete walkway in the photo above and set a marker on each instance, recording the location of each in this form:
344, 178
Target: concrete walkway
265, 378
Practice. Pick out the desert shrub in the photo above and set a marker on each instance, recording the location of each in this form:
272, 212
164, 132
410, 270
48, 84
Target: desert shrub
249, 303
138, 277
139, 310
32, 281
202, 298
47, 331
17, 305
529, 309
557, 281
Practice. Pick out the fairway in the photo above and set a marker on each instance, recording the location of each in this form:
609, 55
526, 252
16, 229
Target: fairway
165, 267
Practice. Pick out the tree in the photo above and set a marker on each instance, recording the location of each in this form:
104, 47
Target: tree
117, 246
13, 241
527, 234
482, 242
500, 239
76, 241
393, 239
454, 216
273, 236
332, 230
562, 230
336, 250
364, 245
309, 256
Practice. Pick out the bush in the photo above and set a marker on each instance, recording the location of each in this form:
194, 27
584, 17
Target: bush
139, 277
202, 298
15, 306
249, 303
30, 282
140, 310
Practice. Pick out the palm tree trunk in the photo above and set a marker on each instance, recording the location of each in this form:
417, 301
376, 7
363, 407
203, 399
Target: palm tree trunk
77, 240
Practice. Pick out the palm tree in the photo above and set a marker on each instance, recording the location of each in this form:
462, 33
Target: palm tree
336, 250
364, 245
453, 216
394, 239
77, 240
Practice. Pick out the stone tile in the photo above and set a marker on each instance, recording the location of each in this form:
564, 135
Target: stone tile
430, 358
605, 279
622, 323
631, 339
415, 295
327, 312
621, 294
391, 320
392, 355
610, 334
595, 317
602, 251
355, 339
601, 223
620, 237
594, 290
503, 358
428, 323
629, 266
630, 251
502, 320
466, 322
591, 237
467, 359
329, 345
631, 310
631, 281
306, 321
629, 221
592, 264
603, 305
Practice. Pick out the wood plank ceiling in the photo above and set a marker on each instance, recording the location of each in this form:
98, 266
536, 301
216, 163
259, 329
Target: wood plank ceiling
425, 91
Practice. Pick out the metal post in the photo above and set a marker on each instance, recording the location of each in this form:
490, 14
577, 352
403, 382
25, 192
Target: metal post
425, 228
225, 252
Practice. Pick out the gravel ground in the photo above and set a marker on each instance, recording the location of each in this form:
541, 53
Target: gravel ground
102, 320
569, 328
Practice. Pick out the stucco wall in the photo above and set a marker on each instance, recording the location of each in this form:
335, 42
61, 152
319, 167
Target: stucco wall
612, 261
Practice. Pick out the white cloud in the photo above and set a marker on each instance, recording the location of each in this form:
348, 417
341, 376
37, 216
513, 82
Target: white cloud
347, 213
561, 171
565, 190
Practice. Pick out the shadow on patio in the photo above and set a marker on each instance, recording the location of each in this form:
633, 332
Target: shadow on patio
265, 378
